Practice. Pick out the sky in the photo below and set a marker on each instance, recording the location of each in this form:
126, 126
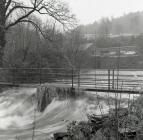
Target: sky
87, 11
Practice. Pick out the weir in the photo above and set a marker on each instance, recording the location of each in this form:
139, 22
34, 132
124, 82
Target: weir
45, 94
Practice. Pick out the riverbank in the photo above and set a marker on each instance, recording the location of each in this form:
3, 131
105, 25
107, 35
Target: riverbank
121, 123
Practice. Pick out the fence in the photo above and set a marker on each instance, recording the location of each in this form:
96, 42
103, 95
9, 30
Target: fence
35, 75
99, 78
112, 79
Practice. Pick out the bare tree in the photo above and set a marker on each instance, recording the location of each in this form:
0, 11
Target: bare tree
73, 49
10, 9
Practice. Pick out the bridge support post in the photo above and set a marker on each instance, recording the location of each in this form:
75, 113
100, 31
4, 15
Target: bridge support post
40, 76
108, 79
72, 75
78, 78
13, 76
113, 75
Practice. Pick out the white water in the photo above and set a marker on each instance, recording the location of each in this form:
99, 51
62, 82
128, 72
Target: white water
17, 113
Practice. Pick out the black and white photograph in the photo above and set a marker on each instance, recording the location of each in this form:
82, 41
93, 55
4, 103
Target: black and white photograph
71, 69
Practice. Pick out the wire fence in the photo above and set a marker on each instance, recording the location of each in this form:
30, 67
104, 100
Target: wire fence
105, 79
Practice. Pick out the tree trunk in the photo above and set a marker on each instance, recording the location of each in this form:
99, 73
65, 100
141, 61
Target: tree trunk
2, 46
2, 30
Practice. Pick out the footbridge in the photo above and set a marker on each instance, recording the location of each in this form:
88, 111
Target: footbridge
99, 80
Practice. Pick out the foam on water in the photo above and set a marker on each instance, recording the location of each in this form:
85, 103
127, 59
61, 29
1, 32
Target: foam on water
17, 113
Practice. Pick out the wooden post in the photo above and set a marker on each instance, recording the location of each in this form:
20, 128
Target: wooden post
40, 74
78, 78
14, 70
113, 73
95, 79
108, 79
72, 77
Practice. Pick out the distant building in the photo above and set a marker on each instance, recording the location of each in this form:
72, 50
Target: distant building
124, 51
94, 36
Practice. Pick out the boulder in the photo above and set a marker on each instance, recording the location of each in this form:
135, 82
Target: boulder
61, 136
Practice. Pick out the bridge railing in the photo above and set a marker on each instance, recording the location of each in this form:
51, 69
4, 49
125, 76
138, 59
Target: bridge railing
100, 78
36, 75
112, 79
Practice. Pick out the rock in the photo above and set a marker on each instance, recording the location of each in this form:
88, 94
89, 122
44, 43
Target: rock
127, 133
61, 136
46, 93
97, 121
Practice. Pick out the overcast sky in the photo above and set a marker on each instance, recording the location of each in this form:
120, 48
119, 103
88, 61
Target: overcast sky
87, 11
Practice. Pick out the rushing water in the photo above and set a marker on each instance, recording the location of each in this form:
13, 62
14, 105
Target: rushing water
19, 115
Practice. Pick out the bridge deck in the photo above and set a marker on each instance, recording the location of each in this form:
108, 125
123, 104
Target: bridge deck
113, 91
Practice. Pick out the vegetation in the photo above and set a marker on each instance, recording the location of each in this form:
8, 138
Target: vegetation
127, 24
27, 42
104, 127
13, 12
107, 52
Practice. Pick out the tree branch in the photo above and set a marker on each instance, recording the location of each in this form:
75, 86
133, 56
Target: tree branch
36, 27
17, 7
52, 8
19, 20
8, 4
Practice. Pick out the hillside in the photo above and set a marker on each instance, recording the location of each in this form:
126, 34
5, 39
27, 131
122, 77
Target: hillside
131, 23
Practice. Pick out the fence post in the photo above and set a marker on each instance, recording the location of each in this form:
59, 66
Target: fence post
14, 69
72, 77
78, 78
95, 79
108, 79
113, 74
40, 72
